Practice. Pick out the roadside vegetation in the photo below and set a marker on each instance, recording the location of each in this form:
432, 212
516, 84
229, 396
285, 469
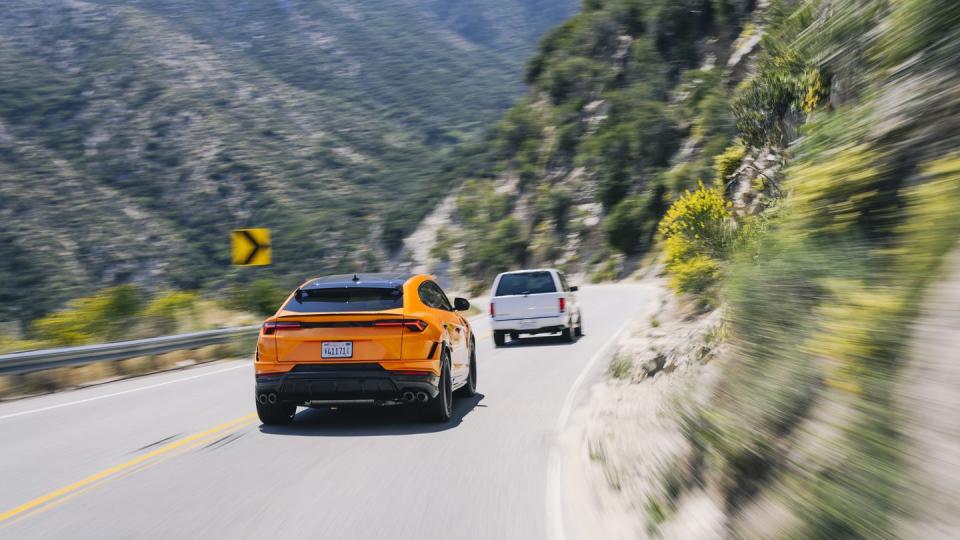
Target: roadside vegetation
822, 263
128, 312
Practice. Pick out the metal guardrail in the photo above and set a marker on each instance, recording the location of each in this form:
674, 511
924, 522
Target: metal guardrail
67, 356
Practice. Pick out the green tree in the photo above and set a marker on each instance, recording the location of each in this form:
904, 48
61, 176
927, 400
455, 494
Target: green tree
261, 296
631, 224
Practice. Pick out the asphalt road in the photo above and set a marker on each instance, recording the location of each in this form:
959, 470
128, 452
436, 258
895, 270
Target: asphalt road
182, 455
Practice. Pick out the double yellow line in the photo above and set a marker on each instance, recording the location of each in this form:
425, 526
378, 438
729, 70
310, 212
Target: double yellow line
88, 482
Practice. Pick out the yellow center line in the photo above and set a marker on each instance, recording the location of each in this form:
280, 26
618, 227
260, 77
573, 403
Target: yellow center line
128, 472
79, 485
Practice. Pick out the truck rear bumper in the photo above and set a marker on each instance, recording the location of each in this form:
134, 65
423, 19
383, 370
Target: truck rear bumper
343, 382
532, 325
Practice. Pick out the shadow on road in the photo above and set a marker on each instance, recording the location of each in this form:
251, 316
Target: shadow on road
541, 341
369, 420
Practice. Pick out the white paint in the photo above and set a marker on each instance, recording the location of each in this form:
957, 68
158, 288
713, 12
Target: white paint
115, 394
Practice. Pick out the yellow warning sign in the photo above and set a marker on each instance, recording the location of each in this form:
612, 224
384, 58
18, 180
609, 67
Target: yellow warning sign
251, 247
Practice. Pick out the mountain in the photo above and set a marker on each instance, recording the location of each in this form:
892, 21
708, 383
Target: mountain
135, 134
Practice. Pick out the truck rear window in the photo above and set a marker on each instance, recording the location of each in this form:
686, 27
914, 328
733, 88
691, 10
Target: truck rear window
346, 299
526, 283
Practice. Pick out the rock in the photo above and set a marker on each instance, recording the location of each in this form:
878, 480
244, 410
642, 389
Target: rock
654, 365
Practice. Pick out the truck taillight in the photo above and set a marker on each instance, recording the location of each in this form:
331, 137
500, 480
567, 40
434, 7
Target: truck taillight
563, 305
271, 327
492, 311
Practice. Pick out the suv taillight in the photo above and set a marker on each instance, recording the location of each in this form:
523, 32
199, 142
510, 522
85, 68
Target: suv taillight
413, 325
271, 327
492, 312
563, 305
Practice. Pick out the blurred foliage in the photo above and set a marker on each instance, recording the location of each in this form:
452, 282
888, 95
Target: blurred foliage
261, 296
103, 317
523, 124
824, 289
637, 135
495, 240
728, 162
442, 244
770, 103
502, 246
128, 312
608, 270
167, 309
630, 226
553, 203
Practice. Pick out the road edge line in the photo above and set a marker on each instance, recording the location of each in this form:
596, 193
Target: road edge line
554, 496
122, 392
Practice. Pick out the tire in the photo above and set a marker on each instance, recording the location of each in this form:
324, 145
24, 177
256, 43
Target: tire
499, 338
470, 389
278, 414
579, 331
514, 336
567, 335
440, 408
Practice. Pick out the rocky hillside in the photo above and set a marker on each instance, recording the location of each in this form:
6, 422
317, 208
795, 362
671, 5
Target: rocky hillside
135, 134
629, 103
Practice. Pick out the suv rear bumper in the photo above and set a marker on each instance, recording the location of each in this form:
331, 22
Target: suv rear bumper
553, 323
344, 382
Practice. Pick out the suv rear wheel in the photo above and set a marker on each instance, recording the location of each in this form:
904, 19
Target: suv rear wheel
276, 414
440, 408
470, 389
499, 338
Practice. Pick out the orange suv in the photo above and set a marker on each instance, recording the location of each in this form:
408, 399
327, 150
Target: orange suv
378, 338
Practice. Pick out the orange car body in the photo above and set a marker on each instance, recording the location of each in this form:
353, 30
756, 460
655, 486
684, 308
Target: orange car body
363, 337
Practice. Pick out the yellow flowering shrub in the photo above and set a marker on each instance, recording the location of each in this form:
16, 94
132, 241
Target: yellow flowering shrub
818, 92
696, 233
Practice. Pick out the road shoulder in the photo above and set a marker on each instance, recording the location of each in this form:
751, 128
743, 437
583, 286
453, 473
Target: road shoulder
617, 450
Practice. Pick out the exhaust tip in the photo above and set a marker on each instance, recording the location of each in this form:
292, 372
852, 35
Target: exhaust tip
422, 397
272, 398
262, 398
408, 396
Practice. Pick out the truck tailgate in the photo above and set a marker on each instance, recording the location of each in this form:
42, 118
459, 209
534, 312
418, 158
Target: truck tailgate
526, 306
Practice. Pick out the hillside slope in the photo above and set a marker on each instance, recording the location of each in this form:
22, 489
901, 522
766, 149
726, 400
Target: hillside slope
628, 105
135, 134
818, 400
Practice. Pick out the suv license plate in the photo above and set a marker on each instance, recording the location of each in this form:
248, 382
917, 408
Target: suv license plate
336, 349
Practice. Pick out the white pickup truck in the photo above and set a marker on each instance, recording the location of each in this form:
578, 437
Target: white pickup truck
533, 302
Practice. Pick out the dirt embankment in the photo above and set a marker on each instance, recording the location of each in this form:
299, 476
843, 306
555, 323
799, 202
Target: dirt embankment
621, 452
630, 470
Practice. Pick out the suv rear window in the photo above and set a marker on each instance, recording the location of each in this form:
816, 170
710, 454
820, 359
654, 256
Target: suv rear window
346, 299
526, 283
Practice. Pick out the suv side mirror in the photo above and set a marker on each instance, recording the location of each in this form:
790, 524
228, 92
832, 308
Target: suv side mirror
574, 288
461, 304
